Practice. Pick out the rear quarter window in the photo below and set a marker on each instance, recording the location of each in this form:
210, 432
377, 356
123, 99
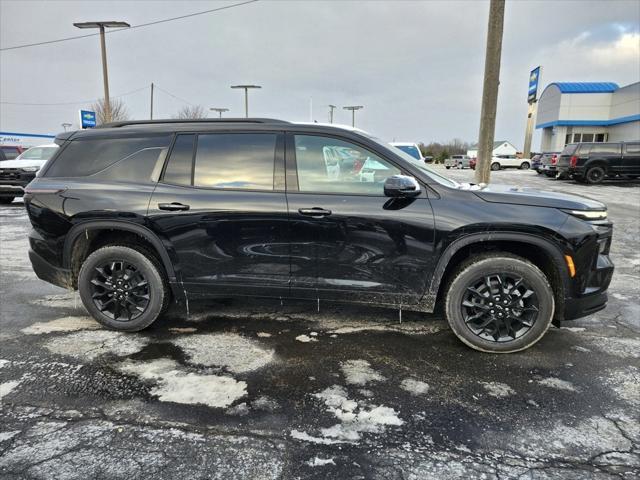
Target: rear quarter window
90, 156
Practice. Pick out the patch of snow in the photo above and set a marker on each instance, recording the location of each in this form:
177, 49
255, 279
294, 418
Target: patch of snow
305, 437
179, 330
8, 435
578, 348
497, 389
4, 362
174, 384
414, 387
628, 347
65, 324
619, 296
263, 334
313, 334
305, 339
88, 345
66, 300
626, 384
235, 352
239, 410
320, 462
7, 387
359, 372
558, 384
573, 329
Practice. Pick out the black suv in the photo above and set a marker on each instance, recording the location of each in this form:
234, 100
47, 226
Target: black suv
139, 214
592, 162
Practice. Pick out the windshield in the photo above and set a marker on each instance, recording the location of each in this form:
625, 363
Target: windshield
38, 153
411, 150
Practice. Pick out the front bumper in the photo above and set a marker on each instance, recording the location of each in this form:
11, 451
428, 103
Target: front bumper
12, 185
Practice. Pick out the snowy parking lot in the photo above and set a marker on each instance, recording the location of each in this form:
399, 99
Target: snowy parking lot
259, 390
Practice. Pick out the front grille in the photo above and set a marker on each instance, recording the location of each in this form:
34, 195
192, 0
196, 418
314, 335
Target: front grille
9, 173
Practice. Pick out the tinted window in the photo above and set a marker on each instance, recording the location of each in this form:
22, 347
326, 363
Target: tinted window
568, 150
605, 148
137, 167
633, 148
84, 157
10, 152
328, 165
235, 160
180, 163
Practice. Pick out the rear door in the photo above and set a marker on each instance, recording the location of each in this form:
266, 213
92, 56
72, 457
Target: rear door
221, 205
348, 240
610, 153
631, 159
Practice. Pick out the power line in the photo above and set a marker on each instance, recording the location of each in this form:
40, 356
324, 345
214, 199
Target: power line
80, 102
130, 28
174, 96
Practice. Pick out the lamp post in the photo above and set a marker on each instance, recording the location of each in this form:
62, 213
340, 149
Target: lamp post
331, 109
246, 96
219, 110
353, 109
65, 125
103, 48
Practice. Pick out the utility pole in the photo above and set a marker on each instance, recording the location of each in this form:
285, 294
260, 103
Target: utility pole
246, 96
151, 115
219, 110
331, 109
103, 49
353, 109
490, 90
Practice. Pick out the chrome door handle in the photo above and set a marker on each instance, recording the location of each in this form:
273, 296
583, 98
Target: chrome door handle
315, 212
173, 207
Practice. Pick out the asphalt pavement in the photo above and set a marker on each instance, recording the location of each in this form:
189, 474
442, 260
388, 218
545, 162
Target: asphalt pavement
260, 390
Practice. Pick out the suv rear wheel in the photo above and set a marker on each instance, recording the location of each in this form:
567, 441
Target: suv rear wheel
495, 166
499, 303
594, 175
525, 166
123, 288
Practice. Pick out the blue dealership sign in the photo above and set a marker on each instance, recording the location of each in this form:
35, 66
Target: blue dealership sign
87, 119
534, 79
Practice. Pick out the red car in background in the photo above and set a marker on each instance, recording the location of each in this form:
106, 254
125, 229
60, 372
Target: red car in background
472, 163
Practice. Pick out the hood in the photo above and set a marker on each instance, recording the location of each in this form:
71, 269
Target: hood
21, 163
537, 198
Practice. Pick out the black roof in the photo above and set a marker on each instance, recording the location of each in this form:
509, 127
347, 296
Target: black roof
173, 121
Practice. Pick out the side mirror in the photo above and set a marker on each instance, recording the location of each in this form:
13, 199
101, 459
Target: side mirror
401, 186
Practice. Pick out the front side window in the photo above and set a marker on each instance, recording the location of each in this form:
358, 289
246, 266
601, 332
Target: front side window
329, 165
235, 160
605, 149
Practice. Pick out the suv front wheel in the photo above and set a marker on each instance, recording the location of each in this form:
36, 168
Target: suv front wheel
595, 175
499, 303
123, 288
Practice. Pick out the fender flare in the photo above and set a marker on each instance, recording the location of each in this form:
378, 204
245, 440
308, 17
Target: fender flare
549, 247
138, 229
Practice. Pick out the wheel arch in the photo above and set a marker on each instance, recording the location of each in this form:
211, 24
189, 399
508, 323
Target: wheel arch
541, 252
82, 236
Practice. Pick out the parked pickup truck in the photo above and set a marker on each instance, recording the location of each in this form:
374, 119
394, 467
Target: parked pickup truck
457, 161
17, 173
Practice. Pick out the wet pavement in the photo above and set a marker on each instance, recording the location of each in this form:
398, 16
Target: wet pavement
257, 390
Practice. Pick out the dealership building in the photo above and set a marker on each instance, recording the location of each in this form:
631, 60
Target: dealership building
587, 112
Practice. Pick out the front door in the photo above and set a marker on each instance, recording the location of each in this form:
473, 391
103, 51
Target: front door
349, 241
631, 159
221, 206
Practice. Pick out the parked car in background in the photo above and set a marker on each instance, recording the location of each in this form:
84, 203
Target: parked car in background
410, 148
535, 161
9, 152
137, 215
548, 164
509, 161
457, 161
593, 162
17, 173
472, 163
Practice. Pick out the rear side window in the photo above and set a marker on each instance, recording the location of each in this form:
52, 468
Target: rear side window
605, 148
235, 160
84, 157
568, 150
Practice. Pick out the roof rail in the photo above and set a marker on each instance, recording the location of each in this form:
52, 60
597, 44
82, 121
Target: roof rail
126, 123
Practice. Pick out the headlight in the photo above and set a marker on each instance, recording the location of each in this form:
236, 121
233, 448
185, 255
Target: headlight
588, 214
30, 169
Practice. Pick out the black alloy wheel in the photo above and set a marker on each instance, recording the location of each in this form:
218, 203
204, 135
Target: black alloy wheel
119, 290
499, 307
595, 175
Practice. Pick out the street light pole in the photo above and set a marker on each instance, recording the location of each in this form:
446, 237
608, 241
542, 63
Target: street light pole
65, 125
353, 109
219, 110
246, 96
331, 109
103, 49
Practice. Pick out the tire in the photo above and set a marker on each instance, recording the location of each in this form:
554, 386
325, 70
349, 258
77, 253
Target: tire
495, 166
594, 175
447, 167
6, 200
539, 172
525, 166
510, 267
99, 266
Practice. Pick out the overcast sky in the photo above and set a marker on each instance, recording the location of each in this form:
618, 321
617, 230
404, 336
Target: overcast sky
416, 66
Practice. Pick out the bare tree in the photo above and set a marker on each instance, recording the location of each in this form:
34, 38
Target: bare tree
118, 111
191, 112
